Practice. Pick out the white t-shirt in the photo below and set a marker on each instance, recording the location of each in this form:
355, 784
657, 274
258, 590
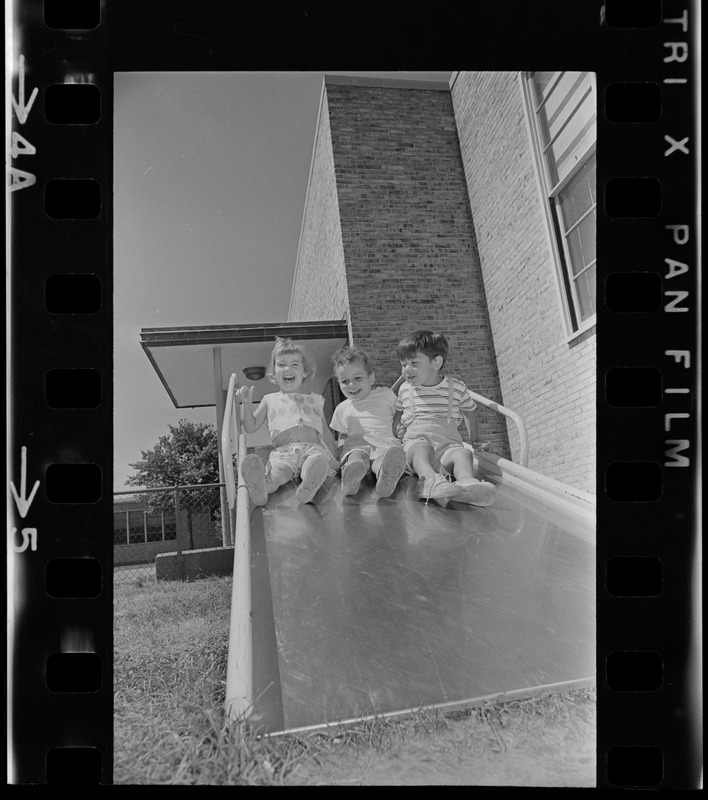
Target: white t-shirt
370, 419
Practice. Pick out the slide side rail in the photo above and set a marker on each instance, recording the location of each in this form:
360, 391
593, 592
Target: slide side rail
239, 669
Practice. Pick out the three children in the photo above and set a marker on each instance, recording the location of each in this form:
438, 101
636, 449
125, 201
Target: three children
425, 415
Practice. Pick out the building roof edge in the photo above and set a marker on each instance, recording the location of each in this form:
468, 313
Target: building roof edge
385, 83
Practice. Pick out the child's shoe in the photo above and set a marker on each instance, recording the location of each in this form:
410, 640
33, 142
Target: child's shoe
392, 467
253, 476
437, 488
352, 473
476, 493
314, 472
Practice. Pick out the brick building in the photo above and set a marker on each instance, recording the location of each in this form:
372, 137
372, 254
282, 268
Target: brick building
467, 208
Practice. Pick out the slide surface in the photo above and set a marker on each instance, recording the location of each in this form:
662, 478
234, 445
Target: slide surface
365, 605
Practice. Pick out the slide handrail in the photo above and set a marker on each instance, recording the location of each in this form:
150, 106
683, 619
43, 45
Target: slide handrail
230, 433
500, 409
507, 412
239, 667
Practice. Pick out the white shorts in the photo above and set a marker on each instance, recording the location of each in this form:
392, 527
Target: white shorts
294, 455
375, 453
441, 436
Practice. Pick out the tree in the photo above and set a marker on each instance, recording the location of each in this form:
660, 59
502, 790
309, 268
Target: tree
188, 456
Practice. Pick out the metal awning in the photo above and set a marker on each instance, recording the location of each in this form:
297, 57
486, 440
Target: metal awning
193, 363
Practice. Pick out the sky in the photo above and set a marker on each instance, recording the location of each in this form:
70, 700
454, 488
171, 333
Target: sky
210, 177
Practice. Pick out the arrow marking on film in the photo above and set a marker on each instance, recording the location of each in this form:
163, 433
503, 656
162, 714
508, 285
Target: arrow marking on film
23, 502
21, 109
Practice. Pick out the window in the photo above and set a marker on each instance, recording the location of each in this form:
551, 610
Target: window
138, 527
153, 524
120, 532
562, 116
169, 525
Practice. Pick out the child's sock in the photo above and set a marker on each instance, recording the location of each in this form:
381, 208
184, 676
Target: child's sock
254, 477
352, 473
314, 472
392, 467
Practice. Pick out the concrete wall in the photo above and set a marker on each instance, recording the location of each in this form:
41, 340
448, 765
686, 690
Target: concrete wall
195, 564
124, 554
390, 157
547, 379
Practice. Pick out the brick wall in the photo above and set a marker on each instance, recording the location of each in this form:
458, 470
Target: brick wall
320, 287
408, 243
547, 380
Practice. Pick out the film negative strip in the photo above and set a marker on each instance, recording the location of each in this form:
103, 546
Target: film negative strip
649, 352
60, 394
59, 218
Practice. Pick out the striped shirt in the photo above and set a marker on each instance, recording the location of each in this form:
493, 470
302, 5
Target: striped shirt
431, 402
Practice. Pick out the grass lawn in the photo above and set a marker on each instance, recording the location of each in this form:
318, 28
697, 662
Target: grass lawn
171, 644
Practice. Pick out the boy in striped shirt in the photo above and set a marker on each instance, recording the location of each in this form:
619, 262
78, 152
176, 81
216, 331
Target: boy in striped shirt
430, 406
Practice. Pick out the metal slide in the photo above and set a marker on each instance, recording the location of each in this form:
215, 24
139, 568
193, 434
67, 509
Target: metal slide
363, 606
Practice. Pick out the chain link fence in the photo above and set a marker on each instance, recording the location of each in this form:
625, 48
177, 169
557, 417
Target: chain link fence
173, 520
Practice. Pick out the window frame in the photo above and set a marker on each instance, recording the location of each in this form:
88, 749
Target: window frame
145, 541
166, 522
556, 240
133, 527
124, 529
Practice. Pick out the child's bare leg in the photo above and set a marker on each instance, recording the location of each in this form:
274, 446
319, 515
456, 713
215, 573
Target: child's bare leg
460, 463
261, 482
278, 476
434, 486
472, 490
421, 460
357, 465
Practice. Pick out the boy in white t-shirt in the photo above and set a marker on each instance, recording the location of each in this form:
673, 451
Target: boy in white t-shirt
430, 406
365, 424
